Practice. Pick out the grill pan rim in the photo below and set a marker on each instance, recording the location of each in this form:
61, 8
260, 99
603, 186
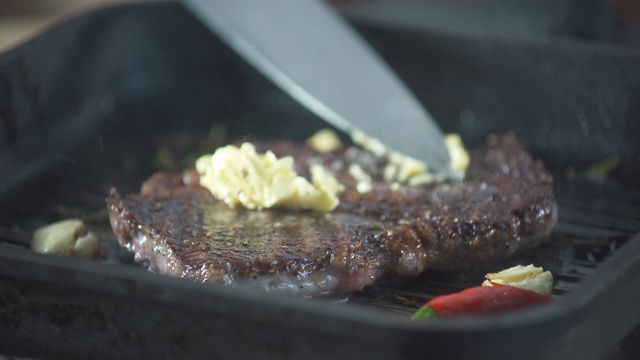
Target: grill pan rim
563, 314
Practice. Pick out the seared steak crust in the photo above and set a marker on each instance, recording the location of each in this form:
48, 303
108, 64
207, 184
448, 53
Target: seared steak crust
505, 204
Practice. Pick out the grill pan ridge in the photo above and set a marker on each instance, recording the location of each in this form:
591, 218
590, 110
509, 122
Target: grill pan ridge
88, 104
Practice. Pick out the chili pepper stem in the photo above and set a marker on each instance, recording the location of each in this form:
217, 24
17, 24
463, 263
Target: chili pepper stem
424, 312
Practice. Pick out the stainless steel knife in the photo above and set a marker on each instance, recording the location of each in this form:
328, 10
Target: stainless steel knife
308, 50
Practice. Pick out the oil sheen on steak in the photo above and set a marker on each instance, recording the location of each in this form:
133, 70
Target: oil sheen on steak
505, 204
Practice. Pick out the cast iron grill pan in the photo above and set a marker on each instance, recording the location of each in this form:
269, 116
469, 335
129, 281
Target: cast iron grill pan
99, 108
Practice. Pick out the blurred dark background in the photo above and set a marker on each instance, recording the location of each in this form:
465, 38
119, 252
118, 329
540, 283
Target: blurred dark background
22, 19
615, 22
609, 21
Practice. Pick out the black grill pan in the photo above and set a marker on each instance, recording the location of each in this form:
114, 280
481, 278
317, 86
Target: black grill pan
90, 104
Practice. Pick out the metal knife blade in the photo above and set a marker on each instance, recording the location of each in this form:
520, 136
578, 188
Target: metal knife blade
313, 54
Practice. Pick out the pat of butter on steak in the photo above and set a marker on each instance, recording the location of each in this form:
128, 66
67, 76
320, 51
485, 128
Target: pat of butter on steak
504, 204
259, 181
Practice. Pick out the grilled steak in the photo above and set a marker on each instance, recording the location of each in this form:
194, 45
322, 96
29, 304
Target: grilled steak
505, 204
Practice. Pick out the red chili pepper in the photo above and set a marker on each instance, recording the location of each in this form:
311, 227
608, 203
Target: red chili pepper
481, 300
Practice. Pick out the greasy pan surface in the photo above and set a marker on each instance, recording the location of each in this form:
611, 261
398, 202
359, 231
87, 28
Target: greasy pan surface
91, 104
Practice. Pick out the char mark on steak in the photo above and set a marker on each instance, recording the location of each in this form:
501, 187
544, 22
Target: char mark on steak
505, 204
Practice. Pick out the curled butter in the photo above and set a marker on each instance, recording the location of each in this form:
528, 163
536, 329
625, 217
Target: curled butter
258, 181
